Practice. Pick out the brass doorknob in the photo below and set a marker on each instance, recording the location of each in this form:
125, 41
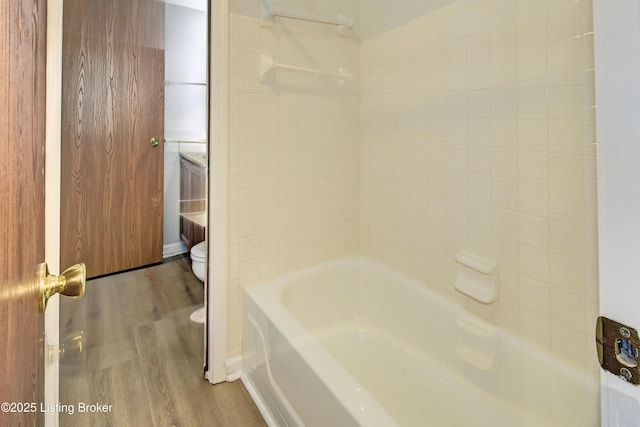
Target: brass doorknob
70, 283
155, 141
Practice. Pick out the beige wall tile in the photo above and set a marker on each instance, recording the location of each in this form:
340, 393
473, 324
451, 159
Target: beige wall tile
468, 127
528, 97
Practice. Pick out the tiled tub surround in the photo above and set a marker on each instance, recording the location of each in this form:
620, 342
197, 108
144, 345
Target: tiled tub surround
469, 125
478, 134
353, 343
294, 156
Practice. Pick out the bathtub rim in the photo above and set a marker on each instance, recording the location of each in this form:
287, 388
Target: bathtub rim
270, 294
327, 369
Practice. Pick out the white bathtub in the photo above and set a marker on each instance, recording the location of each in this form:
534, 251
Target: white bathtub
351, 342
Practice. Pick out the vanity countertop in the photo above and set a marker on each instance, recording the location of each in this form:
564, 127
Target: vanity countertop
199, 159
199, 218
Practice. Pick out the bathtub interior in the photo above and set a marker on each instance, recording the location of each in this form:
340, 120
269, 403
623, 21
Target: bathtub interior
423, 358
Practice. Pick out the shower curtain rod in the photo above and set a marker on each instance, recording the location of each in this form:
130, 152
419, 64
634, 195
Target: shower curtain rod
269, 12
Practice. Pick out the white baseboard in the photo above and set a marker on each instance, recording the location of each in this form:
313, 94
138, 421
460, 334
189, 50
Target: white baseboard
234, 368
173, 249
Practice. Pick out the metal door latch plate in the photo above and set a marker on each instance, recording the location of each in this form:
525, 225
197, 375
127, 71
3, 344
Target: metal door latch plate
617, 346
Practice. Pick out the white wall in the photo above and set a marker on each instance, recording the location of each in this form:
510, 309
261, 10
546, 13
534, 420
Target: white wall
185, 105
617, 26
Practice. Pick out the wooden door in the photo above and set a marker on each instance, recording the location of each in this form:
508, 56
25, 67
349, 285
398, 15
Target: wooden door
22, 138
112, 106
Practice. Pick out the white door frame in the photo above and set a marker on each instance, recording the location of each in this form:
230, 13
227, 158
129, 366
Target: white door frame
617, 70
52, 202
218, 242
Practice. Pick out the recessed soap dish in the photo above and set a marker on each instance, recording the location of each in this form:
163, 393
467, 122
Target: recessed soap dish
477, 277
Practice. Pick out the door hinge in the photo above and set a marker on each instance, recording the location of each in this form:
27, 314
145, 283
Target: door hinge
617, 347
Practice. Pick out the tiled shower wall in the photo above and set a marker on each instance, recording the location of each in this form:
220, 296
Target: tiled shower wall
478, 133
294, 155
469, 125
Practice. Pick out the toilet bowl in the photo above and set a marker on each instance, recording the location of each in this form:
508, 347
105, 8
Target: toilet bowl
198, 260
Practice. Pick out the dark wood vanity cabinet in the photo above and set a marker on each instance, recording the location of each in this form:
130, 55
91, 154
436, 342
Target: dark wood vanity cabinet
193, 201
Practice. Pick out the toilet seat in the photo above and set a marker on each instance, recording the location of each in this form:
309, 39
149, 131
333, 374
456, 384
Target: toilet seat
198, 260
199, 252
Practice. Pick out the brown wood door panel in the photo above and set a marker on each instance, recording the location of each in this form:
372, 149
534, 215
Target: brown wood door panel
113, 104
22, 137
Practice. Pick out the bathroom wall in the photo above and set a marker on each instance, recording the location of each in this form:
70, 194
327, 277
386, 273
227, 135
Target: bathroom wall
477, 122
294, 154
469, 125
185, 103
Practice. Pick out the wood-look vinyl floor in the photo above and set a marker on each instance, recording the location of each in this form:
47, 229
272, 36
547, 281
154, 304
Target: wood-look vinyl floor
142, 354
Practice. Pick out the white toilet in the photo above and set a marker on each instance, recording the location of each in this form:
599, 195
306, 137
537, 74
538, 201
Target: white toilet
198, 261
